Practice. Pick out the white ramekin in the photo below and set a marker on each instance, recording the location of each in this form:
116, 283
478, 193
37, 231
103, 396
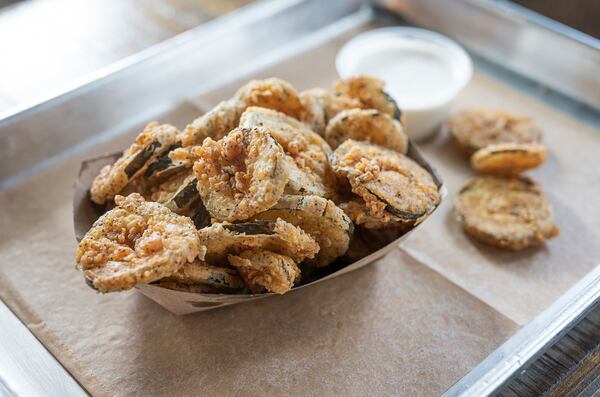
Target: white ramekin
421, 119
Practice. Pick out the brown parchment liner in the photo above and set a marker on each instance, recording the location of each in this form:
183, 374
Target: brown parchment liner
85, 212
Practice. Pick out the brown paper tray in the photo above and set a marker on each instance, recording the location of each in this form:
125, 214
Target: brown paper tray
181, 302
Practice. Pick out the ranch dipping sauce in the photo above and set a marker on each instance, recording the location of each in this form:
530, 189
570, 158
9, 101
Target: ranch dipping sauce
423, 71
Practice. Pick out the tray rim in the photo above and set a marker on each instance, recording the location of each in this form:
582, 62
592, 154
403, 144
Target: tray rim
498, 367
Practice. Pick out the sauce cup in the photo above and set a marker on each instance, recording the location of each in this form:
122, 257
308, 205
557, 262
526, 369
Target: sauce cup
424, 71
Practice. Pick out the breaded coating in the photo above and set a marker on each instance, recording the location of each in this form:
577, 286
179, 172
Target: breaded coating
320, 106
475, 129
358, 212
319, 217
136, 242
268, 270
152, 142
222, 239
367, 125
510, 213
166, 190
180, 195
199, 272
370, 93
273, 94
214, 124
303, 181
508, 158
162, 167
388, 181
168, 283
240, 175
311, 173
306, 147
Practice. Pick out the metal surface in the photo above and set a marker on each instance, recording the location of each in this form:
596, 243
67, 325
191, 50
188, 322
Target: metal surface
531, 340
184, 67
569, 368
26, 367
519, 39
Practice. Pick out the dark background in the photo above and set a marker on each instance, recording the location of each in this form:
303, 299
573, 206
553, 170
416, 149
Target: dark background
583, 15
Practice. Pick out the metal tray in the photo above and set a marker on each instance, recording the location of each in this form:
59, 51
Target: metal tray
124, 94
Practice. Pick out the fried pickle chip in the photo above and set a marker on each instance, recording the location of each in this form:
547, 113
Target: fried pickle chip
240, 175
388, 181
166, 190
475, 129
302, 181
358, 212
273, 94
162, 167
510, 213
320, 218
180, 195
270, 93
320, 106
214, 124
367, 125
199, 272
311, 173
306, 147
168, 283
369, 92
508, 158
262, 269
136, 242
222, 239
151, 143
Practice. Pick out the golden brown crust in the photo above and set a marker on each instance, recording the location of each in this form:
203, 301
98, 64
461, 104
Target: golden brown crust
268, 270
318, 217
311, 173
370, 93
168, 283
136, 242
367, 125
199, 272
215, 124
240, 175
475, 129
388, 181
306, 147
510, 213
357, 211
222, 239
320, 106
254, 176
153, 141
508, 158
302, 181
273, 94
313, 113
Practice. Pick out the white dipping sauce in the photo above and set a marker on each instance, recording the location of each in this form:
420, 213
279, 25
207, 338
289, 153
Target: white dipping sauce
423, 71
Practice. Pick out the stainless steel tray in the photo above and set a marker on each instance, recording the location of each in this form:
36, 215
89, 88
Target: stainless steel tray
150, 83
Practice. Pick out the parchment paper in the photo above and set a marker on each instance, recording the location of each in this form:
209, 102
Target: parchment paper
519, 285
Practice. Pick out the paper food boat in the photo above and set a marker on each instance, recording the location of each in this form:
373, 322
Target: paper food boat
180, 302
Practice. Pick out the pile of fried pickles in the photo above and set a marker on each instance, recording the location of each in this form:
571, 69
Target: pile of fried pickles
269, 189
502, 208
